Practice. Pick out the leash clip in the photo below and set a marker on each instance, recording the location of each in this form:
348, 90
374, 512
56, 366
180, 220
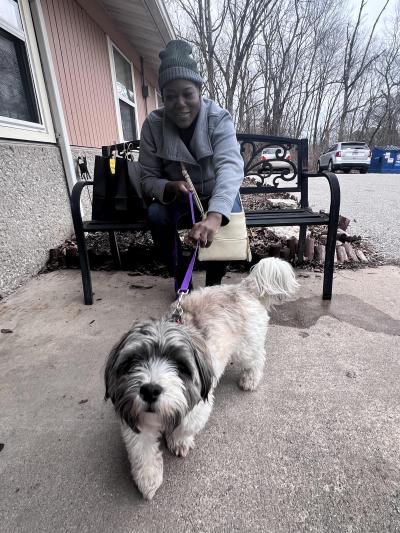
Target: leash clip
177, 314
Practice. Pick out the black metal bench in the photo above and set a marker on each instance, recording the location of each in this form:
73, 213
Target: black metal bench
277, 174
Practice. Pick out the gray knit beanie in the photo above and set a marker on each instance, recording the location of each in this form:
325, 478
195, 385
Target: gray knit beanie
177, 63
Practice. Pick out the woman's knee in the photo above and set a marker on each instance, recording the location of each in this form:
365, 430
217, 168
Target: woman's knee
158, 214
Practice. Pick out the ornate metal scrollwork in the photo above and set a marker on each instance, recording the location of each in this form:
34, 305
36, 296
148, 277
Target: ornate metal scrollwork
268, 173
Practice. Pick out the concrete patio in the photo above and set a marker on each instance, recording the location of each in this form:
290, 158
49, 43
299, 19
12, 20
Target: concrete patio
316, 448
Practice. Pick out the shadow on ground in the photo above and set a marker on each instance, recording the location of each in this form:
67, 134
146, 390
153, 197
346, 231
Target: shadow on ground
304, 313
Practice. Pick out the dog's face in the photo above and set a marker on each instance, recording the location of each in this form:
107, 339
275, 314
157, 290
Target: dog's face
159, 368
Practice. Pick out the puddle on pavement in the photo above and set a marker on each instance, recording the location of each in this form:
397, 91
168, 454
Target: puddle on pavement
304, 313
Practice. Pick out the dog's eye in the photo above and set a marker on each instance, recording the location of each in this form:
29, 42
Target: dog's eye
184, 369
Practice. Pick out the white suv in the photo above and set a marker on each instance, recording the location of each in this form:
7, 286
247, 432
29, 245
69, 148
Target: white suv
346, 156
269, 154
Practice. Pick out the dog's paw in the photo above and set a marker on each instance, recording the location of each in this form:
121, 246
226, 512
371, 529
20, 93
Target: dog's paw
249, 380
180, 447
148, 481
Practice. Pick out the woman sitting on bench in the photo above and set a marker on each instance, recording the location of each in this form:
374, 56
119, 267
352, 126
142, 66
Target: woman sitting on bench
196, 131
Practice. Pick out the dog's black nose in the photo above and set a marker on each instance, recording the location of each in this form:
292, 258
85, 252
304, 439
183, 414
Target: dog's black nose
150, 392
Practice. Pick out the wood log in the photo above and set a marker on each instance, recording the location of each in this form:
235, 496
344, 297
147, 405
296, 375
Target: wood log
343, 237
293, 245
285, 253
341, 254
339, 231
309, 249
275, 249
343, 222
361, 256
351, 254
319, 253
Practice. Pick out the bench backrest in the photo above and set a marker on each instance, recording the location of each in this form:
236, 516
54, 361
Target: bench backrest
272, 164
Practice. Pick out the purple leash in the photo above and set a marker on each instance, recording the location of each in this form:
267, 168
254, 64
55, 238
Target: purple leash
184, 288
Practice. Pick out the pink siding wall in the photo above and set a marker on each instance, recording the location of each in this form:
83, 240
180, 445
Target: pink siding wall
81, 59
82, 67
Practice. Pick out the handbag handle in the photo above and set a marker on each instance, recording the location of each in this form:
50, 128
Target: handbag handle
185, 174
199, 205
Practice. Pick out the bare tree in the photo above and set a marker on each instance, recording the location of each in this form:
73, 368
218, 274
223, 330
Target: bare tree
224, 33
297, 68
358, 58
389, 71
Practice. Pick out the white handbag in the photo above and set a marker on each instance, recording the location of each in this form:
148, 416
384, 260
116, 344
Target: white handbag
231, 242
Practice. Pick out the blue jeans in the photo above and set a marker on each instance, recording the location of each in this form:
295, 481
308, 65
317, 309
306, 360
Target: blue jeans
164, 221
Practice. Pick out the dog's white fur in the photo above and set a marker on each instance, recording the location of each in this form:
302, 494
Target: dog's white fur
221, 323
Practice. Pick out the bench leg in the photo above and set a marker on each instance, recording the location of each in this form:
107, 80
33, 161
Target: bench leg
114, 249
80, 240
302, 244
329, 262
85, 267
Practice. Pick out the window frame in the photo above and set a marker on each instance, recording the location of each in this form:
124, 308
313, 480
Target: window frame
12, 128
111, 45
158, 98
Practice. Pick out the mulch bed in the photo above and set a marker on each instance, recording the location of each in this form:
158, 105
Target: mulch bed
138, 257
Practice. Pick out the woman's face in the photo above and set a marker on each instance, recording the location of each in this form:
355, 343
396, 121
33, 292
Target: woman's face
181, 102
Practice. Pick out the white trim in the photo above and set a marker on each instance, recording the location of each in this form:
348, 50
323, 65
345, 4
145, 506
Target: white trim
15, 123
111, 45
11, 29
157, 98
160, 6
19, 129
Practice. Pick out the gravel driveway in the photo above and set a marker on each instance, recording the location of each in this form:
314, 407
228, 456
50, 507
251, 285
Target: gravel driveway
371, 202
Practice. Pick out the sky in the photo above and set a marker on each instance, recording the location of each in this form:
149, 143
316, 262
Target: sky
373, 8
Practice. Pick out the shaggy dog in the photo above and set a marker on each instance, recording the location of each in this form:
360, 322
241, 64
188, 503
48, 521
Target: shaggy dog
162, 374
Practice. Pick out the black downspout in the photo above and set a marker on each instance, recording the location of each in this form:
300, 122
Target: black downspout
145, 88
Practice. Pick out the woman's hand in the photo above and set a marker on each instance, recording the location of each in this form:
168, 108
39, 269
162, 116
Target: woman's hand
205, 230
176, 190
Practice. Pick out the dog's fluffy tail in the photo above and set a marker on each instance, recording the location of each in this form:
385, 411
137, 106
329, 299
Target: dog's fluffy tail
273, 278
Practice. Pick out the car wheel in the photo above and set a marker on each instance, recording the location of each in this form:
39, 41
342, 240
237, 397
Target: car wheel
330, 166
318, 167
363, 170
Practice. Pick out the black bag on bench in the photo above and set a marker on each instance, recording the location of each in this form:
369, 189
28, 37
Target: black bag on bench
117, 194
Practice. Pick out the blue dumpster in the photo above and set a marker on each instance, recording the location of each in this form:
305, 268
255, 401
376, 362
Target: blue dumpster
385, 160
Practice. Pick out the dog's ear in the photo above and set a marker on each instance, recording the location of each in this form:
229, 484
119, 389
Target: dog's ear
203, 364
109, 372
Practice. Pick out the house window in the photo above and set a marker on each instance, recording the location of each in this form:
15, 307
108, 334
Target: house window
124, 95
23, 113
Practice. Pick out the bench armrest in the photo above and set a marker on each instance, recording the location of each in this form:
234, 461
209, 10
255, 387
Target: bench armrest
76, 203
335, 192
